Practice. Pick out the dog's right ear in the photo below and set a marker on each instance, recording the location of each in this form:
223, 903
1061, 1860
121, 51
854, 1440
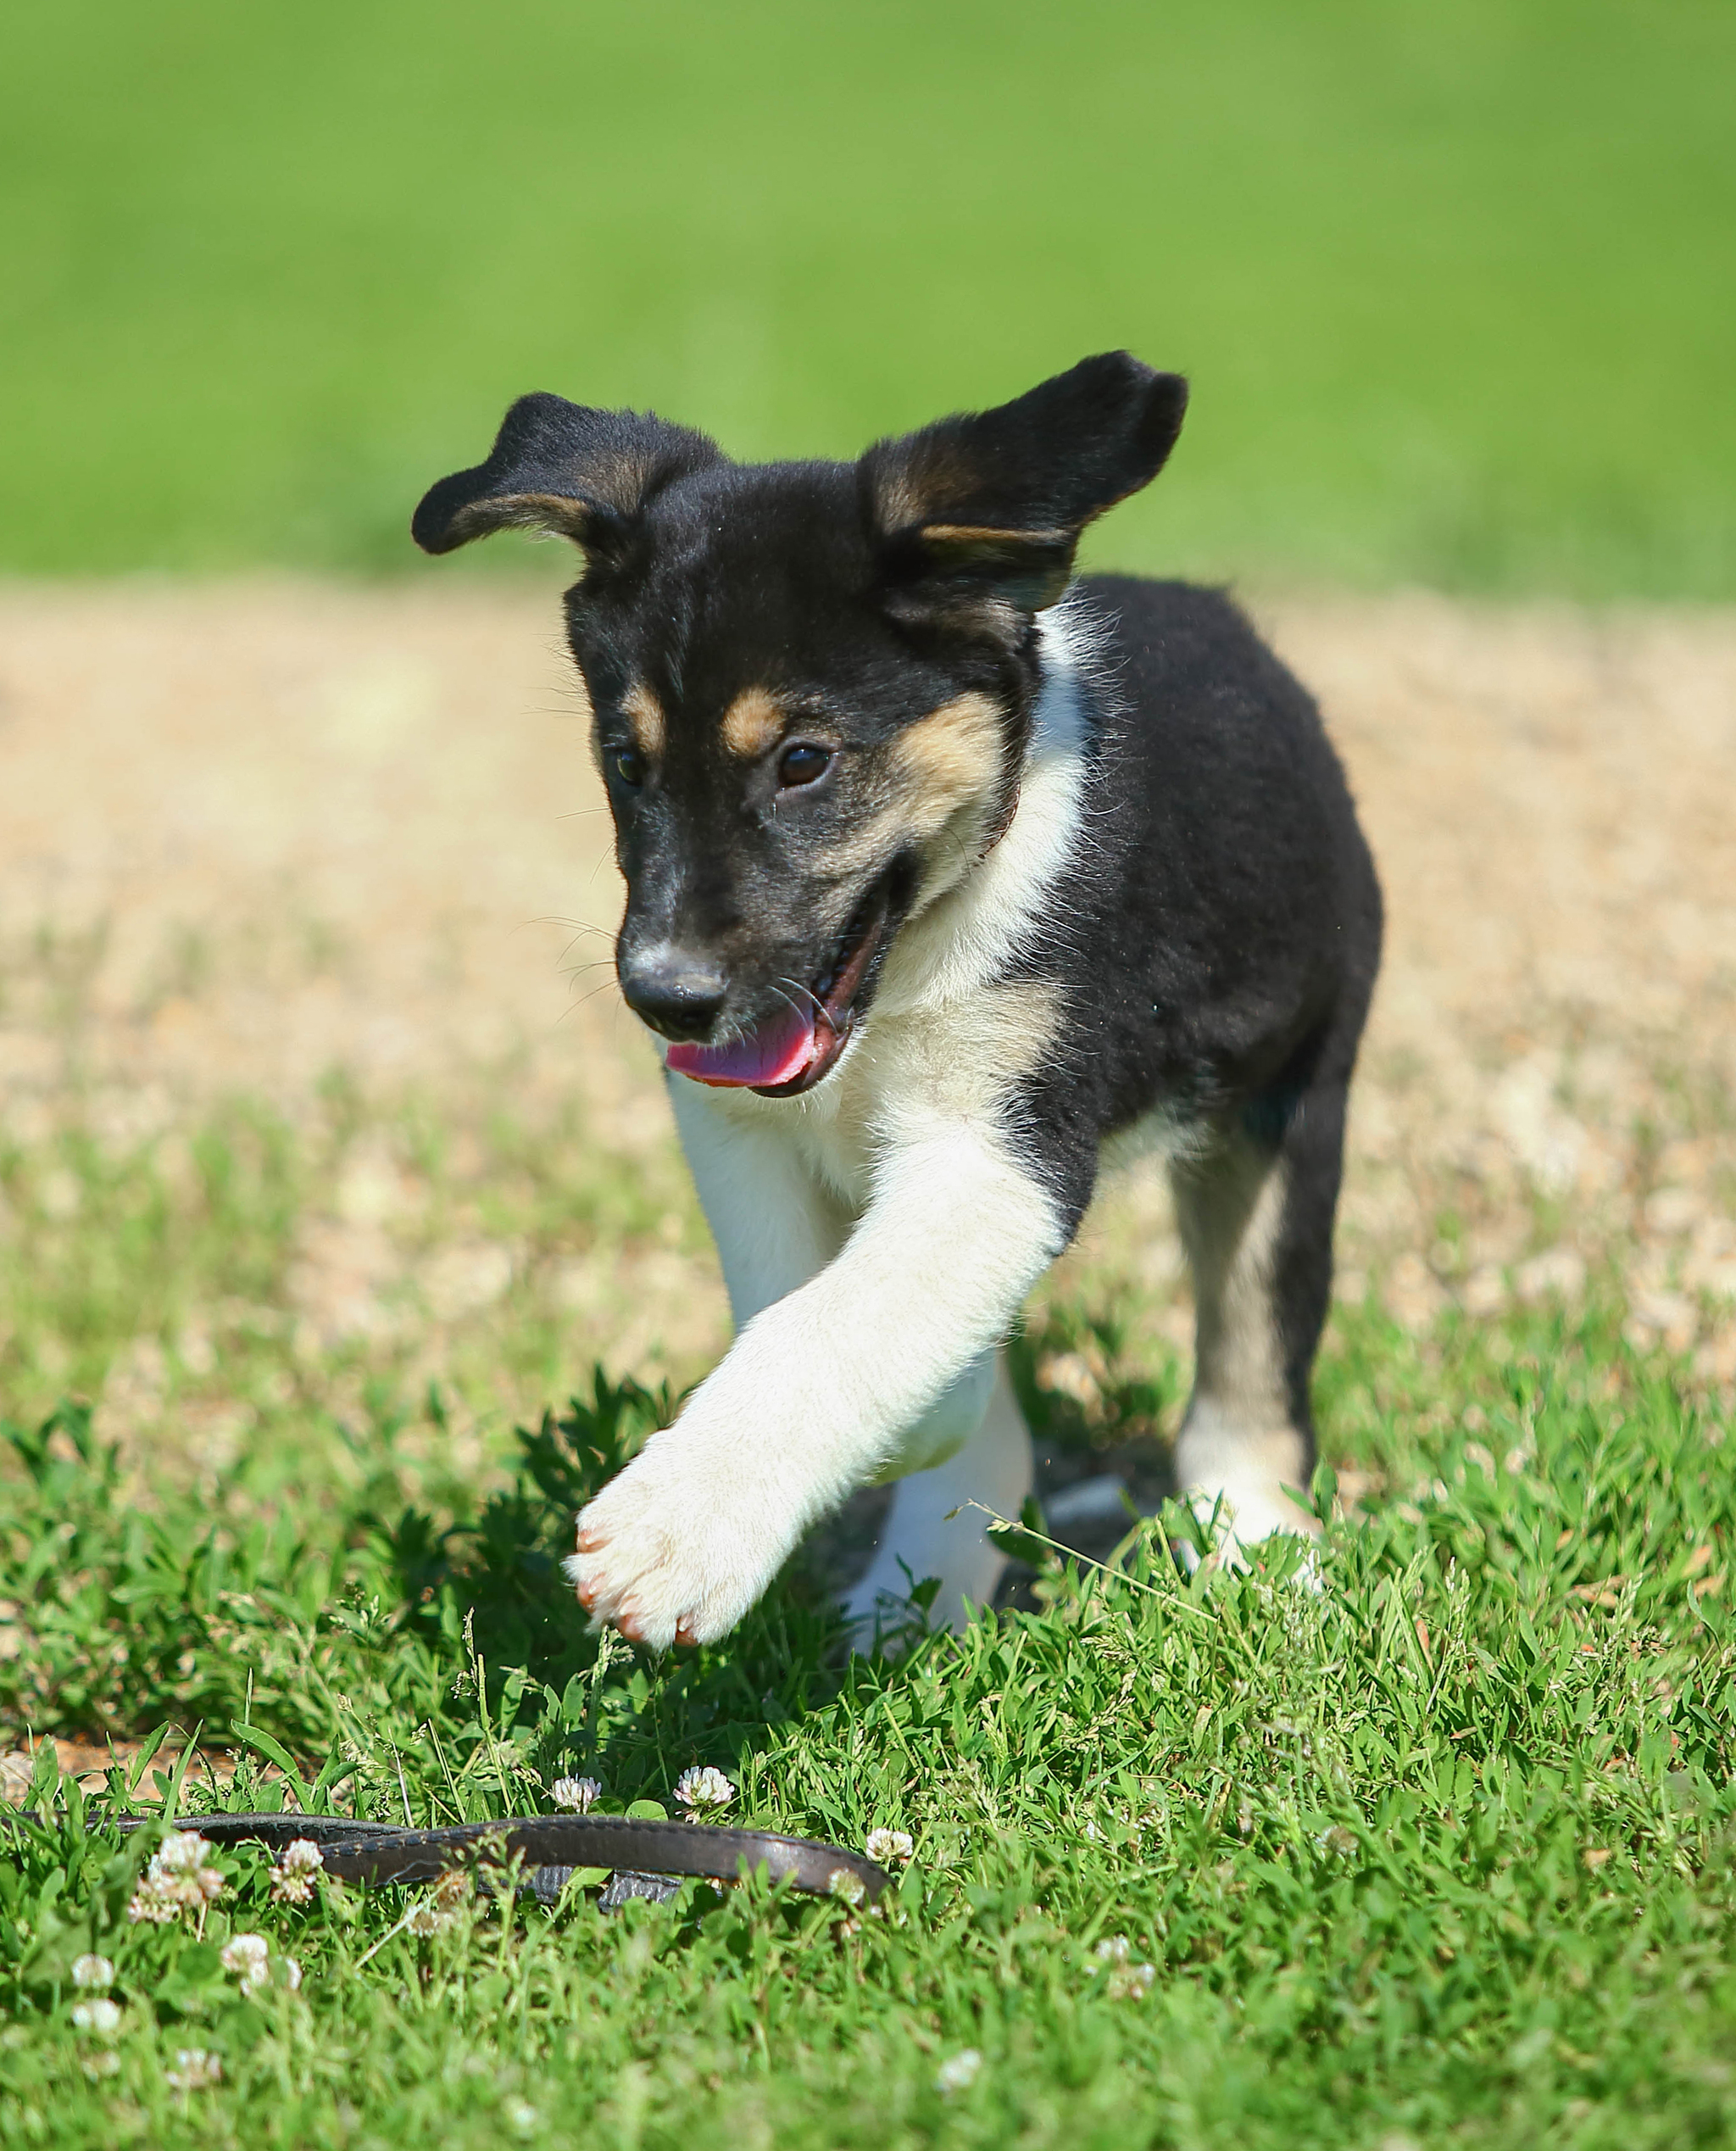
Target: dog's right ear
558, 466
978, 517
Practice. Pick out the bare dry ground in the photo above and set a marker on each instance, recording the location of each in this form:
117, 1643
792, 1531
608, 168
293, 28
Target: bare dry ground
315, 844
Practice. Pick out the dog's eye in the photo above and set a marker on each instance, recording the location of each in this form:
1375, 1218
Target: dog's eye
629, 767
802, 764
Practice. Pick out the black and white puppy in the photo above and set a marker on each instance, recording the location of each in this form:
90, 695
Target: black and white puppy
950, 882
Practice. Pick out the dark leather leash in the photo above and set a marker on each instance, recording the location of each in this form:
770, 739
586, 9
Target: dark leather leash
645, 1855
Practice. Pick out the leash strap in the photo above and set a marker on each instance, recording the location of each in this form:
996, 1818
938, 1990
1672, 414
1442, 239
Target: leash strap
642, 1854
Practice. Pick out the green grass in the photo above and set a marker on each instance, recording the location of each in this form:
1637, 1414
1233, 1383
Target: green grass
1453, 282
1437, 1853
161, 1263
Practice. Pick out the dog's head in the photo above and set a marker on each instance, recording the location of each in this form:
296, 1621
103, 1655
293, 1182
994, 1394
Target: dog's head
812, 683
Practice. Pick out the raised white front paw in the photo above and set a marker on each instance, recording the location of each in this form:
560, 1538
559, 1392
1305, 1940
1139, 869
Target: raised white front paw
676, 1547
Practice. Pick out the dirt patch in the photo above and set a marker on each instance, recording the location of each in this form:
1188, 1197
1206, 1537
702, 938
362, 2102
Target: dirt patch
90, 1762
253, 833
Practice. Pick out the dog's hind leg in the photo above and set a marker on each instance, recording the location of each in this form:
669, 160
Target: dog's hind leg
1256, 1218
922, 1536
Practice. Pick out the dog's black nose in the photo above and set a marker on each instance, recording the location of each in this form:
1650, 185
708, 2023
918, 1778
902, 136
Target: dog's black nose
677, 993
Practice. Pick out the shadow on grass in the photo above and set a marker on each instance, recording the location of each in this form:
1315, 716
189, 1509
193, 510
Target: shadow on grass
372, 1645
444, 1669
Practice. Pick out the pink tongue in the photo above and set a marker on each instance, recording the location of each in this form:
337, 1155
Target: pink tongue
777, 1052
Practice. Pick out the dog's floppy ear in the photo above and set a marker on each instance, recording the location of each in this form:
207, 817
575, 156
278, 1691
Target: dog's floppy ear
558, 466
988, 506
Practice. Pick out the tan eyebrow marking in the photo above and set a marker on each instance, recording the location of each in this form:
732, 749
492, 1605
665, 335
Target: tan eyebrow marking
644, 713
751, 722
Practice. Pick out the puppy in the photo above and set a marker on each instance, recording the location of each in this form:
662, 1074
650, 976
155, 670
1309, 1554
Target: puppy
950, 882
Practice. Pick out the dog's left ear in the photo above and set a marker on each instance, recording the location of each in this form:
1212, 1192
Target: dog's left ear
985, 509
558, 466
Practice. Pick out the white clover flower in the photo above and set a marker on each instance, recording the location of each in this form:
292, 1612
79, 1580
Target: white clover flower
105, 2062
576, 1796
844, 1882
248, 1955
293, 1871
706, 1788
194, 2070
1127, 1980
958, 2073
521, 2113
175, 1880
440, 1908
887, 1845
92, 1970
150, 1901
101, 2015
291, 1972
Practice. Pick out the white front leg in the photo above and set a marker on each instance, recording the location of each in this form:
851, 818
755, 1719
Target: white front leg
814, 1394
774, 1224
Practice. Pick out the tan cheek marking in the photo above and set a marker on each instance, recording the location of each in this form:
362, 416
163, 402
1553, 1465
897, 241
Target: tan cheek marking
644, 713
943, 774
951, 759
751, 722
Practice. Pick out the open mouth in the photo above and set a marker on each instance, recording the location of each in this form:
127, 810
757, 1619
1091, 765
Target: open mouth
791, 1052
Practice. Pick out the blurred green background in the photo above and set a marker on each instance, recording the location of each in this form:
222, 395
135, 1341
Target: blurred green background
1456, 282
